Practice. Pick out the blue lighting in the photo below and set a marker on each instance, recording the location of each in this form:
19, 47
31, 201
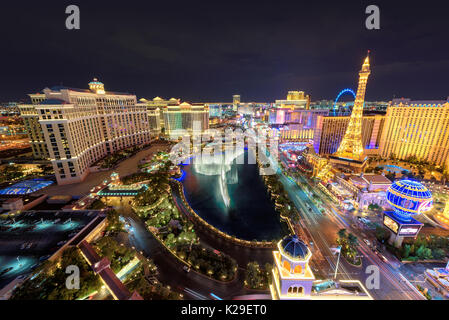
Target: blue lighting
395, 169
215, 296
409, 198
26, 187
342, 92
183, 175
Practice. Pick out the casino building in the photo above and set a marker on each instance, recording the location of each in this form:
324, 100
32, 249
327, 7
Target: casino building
408, 199
185, 118
364, 189
80, 127
33, 127
293, 279
329, 132
417, 128
295, 100
154, 108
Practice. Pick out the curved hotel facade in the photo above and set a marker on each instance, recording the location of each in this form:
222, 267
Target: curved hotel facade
417, 128
80, 127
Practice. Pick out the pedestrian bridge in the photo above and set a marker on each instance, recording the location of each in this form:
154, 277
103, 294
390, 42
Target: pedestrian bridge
102, 268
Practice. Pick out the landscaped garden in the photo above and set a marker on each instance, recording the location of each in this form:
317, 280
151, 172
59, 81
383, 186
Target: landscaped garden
279, 196
424, 248
411, 168
119, 255
114, 224
155, 206
214, 264
256, 277
114, 159
348, 243
150, 291
49, 284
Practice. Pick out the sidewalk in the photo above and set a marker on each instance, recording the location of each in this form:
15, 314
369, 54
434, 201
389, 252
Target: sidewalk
126, 167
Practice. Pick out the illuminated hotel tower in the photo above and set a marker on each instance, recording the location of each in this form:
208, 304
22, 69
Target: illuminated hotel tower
80, 127
350, 152
444, 218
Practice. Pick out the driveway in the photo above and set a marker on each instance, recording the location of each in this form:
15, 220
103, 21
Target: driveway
125, 168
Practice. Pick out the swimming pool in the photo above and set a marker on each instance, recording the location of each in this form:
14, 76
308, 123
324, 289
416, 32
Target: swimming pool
395, 169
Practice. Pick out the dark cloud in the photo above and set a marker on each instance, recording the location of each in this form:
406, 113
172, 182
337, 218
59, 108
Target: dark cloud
209, 50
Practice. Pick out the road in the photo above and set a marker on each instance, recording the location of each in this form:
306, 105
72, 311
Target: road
192, 284
323, 229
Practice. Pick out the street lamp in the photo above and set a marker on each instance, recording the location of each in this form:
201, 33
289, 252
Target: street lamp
337, 250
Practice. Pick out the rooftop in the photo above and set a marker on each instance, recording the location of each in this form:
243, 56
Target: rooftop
60, 88
410, 102
295, 247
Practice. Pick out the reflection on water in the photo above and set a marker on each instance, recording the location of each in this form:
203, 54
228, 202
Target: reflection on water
233, 198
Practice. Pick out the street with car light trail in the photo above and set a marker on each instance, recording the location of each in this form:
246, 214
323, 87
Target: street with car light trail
324, 227
171, 271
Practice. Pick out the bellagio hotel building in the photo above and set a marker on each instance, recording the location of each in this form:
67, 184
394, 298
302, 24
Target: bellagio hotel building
417, 128
75, 128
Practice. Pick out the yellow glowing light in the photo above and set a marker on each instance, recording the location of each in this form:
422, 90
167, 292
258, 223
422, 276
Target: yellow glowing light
351, 146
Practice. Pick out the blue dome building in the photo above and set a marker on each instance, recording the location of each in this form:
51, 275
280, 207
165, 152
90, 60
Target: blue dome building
409, 198
293, 277
294, 247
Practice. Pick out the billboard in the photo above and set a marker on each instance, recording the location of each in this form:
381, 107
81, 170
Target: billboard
391, 224
409, 231
402, 229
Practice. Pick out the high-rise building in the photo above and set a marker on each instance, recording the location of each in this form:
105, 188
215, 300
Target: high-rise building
308, 118
185, 119
80, 127
297, 124
417, 129
295, 100
329, 132
351, 152
155, 108
446, 210
33, 127
236, 101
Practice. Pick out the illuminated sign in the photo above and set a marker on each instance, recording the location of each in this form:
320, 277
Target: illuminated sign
426, 206
408, 231
391, 224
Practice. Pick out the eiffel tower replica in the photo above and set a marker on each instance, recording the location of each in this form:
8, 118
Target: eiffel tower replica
350, 154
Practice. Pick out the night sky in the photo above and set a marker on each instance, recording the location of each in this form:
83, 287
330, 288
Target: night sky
209, 50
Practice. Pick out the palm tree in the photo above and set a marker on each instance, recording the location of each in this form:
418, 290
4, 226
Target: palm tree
342, 233
352, 240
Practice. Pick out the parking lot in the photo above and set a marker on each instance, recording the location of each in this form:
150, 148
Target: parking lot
32, 237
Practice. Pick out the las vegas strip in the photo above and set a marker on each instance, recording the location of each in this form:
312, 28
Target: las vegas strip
219, 151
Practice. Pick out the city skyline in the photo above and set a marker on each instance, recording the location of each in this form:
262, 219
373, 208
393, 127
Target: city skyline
258, 51
216, 151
